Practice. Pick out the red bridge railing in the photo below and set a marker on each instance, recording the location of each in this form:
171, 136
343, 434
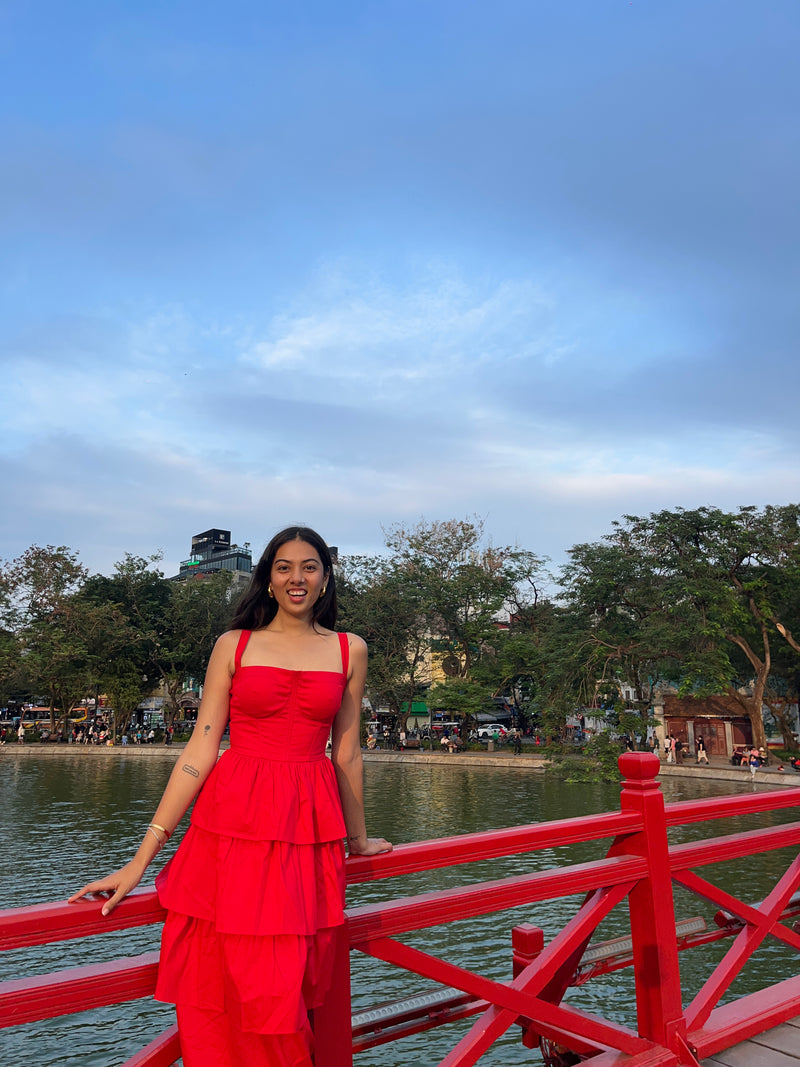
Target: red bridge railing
639, 867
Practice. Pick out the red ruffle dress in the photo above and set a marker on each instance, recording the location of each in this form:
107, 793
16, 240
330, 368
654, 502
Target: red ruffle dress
256, 888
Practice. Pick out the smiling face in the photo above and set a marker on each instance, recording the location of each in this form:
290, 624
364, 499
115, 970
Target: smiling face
297, 577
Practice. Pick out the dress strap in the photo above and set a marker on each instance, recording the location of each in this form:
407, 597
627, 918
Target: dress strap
243, 639
344, 644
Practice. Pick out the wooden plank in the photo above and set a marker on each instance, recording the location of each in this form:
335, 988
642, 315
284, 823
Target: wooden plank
757, 1054
785, 1038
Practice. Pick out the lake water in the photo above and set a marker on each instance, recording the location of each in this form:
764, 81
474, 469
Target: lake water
67, 819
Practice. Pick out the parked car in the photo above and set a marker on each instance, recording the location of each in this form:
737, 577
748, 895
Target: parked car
487, 731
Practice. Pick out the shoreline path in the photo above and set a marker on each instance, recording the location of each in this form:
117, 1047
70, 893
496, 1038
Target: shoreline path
718, 769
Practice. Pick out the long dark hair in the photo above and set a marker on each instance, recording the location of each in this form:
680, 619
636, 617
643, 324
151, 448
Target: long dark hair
257, 608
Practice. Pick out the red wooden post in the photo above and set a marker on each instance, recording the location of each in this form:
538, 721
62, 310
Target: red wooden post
527, 941
333, 1032
652, 911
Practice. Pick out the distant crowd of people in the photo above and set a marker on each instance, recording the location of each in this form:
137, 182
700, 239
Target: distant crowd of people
448, 738
93, 731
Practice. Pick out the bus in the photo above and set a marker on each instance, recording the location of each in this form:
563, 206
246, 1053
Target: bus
38, 717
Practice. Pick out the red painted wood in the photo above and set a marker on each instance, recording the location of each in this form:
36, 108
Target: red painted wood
652, 914
550, 1019
683, 812
747, 940
547, 975
97, 985
639, 864
491, 844
746, 912
746, 1017
40, 924
164, 1051
733, 846
527, 941
654, 1057
431, 909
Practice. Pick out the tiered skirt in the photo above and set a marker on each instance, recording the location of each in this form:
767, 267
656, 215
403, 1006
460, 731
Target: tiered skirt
253, 896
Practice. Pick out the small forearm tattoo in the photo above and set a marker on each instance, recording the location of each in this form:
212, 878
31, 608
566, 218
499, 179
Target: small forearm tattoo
206, 728
191, 770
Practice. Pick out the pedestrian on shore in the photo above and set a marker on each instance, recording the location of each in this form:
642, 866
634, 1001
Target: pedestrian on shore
255, 893
21, 734
669, 746
702, 755
754, 761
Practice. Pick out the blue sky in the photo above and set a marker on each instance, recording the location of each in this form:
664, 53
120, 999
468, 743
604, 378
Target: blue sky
353, 264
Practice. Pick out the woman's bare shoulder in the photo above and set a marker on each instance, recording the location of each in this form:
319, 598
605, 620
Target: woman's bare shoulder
225, 647
228, 640
358, 645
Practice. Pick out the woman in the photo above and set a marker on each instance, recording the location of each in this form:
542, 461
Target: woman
256, 889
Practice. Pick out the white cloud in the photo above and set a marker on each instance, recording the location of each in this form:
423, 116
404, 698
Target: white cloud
344, 331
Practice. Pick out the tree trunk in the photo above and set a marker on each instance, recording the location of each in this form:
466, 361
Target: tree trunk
782, 719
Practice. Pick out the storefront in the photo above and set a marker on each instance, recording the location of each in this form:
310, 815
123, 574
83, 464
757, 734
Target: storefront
719, 720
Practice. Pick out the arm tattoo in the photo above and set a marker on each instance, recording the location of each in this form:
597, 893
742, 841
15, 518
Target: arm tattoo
206, 728
191, 770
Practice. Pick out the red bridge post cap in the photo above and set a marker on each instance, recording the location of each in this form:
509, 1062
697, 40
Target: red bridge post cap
639, 766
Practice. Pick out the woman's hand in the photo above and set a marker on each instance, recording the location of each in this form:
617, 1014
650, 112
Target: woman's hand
371, 846
115, 887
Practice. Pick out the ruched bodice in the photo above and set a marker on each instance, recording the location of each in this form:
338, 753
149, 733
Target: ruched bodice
257, 884
282, 714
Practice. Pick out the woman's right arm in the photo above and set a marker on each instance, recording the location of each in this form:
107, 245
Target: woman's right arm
193, 766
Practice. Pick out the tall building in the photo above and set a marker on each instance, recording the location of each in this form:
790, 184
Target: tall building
212, 551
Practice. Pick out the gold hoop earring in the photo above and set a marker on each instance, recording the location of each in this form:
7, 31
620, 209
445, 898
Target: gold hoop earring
322, 591
269, 590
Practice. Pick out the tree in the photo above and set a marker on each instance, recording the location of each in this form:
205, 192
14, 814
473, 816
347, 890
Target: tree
629, 632
377, 602
194, 616
164, 632
135, 598
40, 604
465, 586
439, 598
729, 579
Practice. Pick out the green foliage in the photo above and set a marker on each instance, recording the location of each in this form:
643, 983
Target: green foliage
597, 764
702, 599
436, 598
69, 635
460, 697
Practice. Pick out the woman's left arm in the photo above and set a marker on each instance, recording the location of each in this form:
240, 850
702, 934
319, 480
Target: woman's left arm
346, 756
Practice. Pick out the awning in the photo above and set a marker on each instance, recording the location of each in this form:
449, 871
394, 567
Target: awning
498, 715
418, 707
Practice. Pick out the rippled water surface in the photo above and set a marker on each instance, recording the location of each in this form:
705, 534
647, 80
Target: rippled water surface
70, 818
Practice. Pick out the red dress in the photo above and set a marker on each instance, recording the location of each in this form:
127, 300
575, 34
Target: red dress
256, 887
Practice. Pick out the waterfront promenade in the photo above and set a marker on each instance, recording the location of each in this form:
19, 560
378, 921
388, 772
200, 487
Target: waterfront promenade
718, 769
